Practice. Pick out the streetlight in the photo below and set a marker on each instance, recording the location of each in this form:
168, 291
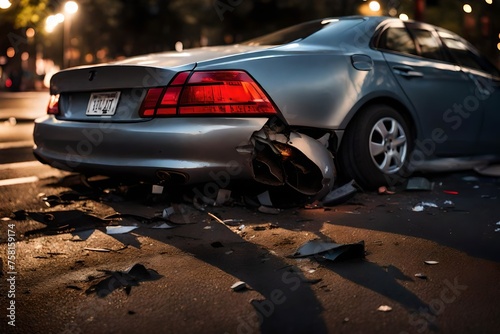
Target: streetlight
5, 4
70, 8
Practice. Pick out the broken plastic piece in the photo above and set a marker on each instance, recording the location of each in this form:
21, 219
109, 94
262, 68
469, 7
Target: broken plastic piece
331, 251
157, 189
265, 199
123, 279
340, 194
384, 308
450, 192
223, 196
164, 226
421, 276
431, 262
167, 212
269, 210
239, 286
384, 191
232, 222
314, 247
421, 206
103, 250
419, 183
119, 229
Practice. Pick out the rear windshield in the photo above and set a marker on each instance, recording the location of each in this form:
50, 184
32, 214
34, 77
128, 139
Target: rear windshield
293, 33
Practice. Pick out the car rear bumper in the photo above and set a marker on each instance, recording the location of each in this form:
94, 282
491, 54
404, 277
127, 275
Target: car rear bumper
191, 149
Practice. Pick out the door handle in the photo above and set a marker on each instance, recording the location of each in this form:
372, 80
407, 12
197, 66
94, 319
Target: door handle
407, 71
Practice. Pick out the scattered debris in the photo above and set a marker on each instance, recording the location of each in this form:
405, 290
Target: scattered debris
207, 228
265, 199
340, 194
497, 229
82, 235
448, 204
450, 192
229, 252
164, 226
421, 276
232, 222
419, 183
239, 286
384, 308
268, 210
431, 262
331, 251
119, 229
384, 191
123, 279
157, 189
241, 227
421, 206
223, 196
259, 228
167, 212
103, 250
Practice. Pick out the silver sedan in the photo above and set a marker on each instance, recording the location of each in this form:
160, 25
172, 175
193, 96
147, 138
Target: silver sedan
375, 98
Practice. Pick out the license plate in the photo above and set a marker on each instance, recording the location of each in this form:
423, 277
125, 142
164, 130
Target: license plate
103, 103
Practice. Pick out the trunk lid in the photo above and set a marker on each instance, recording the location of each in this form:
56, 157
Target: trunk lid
128, 81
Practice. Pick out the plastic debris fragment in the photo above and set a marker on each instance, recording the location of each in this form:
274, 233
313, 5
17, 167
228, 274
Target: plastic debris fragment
239, 286
331, 251
123, 279
421, 276
269, 210
384, 191
450, 192
384, 308
167, 212
163, 226
431, 262
119, 229
421, 206
265, 199
419, 183
157, 189
223, 196
340, 194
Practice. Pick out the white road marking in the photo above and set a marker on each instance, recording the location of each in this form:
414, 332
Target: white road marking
24, 164
16, 144
19, 180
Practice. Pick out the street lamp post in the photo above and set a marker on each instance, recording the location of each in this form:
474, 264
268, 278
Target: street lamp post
70, 8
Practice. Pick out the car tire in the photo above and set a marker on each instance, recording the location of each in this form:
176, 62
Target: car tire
376, 147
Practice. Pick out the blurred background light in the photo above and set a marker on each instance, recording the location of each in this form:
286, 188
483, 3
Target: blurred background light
467, 8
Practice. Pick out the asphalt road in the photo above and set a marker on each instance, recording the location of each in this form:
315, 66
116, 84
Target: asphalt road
68, 275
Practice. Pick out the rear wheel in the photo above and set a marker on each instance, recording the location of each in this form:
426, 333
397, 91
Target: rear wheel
376, 147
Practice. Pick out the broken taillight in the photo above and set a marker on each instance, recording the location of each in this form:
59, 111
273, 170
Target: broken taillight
53, 107
208, 93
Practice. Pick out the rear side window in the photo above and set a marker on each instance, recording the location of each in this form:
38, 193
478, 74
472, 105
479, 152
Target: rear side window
397, 39
465, 57
428, 44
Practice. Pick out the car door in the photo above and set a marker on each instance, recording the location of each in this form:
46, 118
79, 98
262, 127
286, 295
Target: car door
487, 80
436, 87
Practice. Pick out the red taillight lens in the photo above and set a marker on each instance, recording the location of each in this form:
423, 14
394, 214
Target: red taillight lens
53, 107
207, 93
